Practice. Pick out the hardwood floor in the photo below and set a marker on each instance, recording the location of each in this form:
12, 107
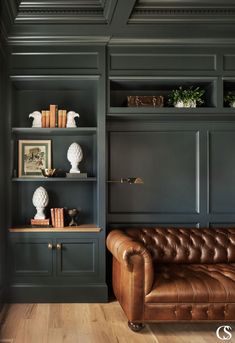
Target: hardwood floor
92, 323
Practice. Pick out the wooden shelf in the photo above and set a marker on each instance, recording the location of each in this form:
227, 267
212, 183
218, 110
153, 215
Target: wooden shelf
53, 179
55, 131
80, 228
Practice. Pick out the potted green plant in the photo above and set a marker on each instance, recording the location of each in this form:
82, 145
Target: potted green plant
188, 97
230, 99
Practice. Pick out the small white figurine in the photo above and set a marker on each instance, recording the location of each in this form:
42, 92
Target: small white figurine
37, 118
40, 201
74, 156
70, 119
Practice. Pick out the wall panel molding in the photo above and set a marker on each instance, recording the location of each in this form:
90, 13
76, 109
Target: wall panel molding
170, 170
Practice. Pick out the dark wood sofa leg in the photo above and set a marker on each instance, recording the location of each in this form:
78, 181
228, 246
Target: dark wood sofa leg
136, 327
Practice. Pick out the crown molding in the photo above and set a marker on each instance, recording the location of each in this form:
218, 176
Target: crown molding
152, 11
65, 11
109, 9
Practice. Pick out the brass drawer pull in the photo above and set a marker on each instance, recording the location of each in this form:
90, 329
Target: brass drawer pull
50, 246
58, 246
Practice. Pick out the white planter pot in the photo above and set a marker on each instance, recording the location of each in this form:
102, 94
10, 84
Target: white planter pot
189, 104
232, 104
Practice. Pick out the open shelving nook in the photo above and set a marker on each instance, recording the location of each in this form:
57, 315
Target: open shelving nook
228, 87
122, 86
78, 93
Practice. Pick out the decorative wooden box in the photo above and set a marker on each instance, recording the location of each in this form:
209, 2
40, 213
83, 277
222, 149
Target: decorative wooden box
145, 101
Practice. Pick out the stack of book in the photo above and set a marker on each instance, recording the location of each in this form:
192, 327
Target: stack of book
54, 117
57, 217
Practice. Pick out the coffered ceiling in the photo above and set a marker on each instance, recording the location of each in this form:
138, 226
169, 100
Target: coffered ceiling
118, 20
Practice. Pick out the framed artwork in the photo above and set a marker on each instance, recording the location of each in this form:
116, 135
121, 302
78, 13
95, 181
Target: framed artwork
33, 156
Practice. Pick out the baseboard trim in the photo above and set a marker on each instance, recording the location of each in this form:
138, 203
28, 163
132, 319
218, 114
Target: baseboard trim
21, 293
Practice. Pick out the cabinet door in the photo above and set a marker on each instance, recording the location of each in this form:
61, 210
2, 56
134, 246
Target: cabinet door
77, 257
31, 257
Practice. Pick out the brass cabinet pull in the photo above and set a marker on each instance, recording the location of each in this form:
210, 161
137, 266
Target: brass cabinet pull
50, 246
58, 246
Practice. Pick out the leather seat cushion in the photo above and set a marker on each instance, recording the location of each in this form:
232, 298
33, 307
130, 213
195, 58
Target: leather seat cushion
192, 283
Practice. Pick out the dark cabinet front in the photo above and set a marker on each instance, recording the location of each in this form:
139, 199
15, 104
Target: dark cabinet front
31, 257
77, 257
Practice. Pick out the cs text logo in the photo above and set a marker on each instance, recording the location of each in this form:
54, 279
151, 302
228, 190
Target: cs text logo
223, 332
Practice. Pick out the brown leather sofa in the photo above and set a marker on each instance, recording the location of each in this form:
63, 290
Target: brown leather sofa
174, 274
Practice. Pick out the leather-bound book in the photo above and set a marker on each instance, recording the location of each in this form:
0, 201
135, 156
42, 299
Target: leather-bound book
43, 118
53, 115
47, 119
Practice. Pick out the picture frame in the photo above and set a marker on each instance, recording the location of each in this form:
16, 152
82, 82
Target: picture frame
33, 155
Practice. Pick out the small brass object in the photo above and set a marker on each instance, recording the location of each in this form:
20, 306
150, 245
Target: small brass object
50, 246
58, 246
48, 172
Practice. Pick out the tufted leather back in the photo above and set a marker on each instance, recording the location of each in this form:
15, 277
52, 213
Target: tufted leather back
183, 245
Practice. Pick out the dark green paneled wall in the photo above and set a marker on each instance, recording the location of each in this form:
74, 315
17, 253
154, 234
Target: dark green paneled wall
185, 156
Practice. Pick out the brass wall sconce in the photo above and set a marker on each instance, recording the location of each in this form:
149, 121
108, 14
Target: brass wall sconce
129, 180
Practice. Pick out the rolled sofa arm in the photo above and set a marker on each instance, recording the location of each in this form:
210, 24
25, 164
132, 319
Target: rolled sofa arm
124, 248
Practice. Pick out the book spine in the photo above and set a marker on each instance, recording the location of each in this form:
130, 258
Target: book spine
56, 217
62, 217
43, 118
53, 115
52, 217
60, 118
47, 121
64, 118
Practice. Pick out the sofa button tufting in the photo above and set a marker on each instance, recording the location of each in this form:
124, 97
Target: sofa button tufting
169, 277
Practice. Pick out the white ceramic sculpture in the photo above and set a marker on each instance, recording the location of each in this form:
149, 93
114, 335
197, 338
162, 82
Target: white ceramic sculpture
70, 119
37, 118
74, 156
40, 201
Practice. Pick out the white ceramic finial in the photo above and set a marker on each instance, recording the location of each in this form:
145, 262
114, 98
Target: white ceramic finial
74, 156
40, 201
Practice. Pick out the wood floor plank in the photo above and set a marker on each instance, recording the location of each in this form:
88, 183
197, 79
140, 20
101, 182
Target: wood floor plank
92, 323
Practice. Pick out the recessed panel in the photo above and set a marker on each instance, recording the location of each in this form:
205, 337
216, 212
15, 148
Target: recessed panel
32, 258
77, 257
136, 61
168, 164
54, 60
222, 172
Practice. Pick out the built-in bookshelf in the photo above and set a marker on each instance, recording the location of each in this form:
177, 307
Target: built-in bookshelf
72, 257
